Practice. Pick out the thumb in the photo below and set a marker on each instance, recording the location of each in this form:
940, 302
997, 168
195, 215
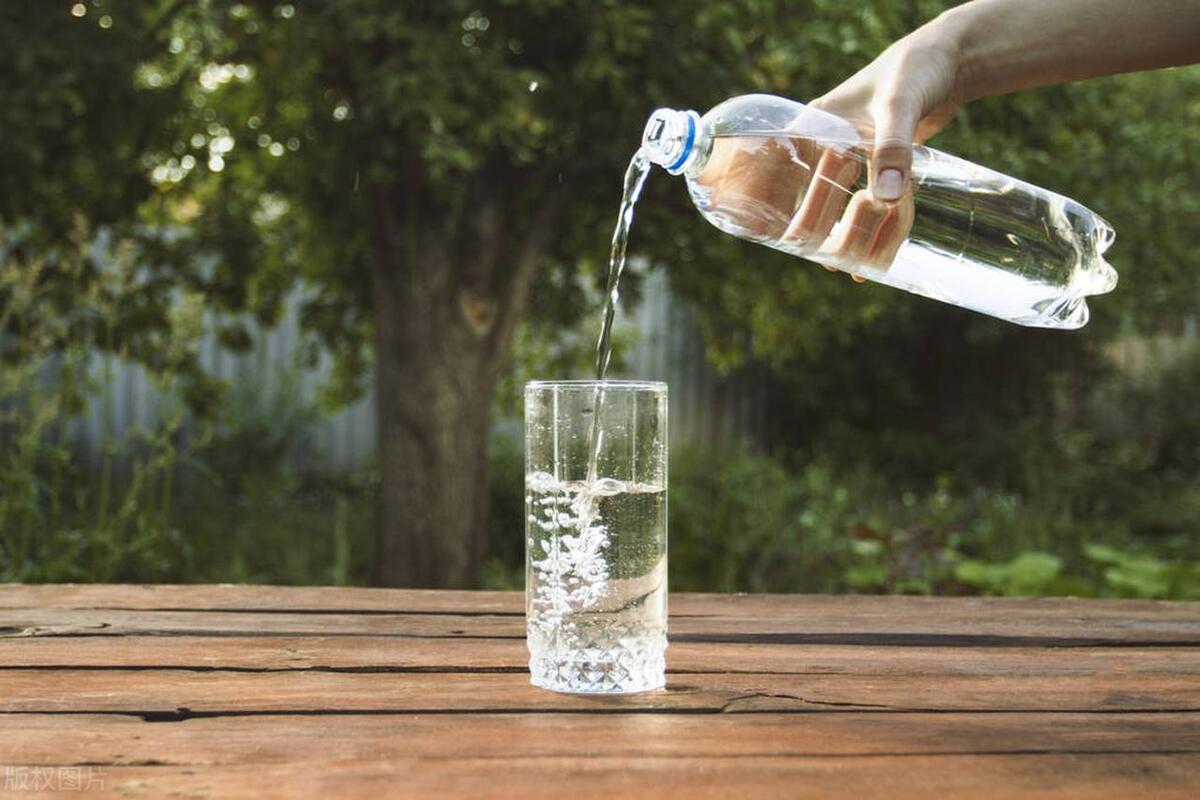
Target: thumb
891, 159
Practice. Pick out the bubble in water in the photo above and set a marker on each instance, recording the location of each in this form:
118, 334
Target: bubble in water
597, 613
541, 482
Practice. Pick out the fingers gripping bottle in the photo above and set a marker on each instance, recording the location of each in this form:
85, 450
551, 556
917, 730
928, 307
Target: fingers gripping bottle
774, 171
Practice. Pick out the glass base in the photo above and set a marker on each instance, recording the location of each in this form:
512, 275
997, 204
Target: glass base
628, 666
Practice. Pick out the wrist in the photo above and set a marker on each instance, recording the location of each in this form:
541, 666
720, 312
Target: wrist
951, 32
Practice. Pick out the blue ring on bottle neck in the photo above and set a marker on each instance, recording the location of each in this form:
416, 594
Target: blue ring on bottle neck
687, 145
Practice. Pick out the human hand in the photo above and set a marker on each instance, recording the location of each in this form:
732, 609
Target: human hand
799, 192
785, 191
796, 192
905, 96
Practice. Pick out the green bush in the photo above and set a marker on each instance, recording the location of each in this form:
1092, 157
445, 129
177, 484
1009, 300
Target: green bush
1101, 502
504, 565
745, 523
186, 500
254, 508
751, 523
61, 517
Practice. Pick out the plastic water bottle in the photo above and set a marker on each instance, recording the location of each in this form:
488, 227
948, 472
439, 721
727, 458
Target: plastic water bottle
774, 171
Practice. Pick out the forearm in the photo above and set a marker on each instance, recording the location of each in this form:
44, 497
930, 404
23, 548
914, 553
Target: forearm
1006, 45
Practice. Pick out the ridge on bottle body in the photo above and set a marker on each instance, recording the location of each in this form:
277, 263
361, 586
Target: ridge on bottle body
795, 178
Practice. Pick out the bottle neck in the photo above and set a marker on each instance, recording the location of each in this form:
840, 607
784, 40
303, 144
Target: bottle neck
672, 139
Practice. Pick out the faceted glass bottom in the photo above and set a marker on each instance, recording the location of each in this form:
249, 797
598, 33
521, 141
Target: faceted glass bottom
609, 665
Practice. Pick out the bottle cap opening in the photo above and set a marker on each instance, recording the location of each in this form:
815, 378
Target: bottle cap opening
670, 138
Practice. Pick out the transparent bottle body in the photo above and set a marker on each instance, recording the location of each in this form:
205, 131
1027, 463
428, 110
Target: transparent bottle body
774, 171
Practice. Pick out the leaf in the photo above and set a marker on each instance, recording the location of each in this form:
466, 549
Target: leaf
1027, 574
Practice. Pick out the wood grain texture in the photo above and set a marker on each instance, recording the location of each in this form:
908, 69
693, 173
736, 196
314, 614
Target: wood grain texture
313, 691
986, 777
238, 597
957, 625
461, 654
126, 740
158, 692
326, 599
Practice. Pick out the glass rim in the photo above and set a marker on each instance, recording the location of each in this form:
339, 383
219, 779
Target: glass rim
627, 385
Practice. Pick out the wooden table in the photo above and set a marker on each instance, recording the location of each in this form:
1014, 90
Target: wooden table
220, 691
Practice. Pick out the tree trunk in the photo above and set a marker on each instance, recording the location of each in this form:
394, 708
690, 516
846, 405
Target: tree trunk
433, 417
444, 330
434, 392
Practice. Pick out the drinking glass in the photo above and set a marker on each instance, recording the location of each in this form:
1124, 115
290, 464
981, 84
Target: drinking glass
596, 534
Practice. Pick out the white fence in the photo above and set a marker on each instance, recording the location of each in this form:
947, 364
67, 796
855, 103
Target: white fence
704, 408
342, 441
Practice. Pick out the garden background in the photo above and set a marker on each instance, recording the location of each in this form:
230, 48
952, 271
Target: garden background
272, 274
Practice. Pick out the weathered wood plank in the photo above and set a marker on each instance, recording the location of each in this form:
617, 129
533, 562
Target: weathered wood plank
450, 655
866, 625
129, 741
353, 692
164, 691
355, 599
993, 777
238, 597
122, 622
855, 608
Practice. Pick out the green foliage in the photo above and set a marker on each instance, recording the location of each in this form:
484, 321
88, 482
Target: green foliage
1100, 501
362, 105
1029, 573
167, 507
749, 523
741, 523
59, 520
244, 145
182, 500
1129, 574
257, 511
281, 528
208, 155
504, 565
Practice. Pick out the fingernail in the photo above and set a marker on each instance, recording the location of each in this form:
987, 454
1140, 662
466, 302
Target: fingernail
888, 184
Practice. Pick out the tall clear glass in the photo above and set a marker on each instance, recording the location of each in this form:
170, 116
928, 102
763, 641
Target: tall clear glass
596, 534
